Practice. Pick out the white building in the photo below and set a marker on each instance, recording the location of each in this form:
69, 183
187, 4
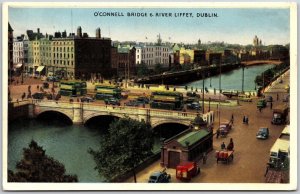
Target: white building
18, 52
138, 55
152, 55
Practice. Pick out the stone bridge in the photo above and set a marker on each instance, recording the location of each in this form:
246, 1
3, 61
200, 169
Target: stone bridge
80, 113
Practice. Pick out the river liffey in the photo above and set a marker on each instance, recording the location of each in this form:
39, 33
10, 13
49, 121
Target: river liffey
233, 80
65, 143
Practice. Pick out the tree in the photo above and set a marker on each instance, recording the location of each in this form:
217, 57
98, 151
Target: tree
158, 68
127, 144
36, 166
142, 70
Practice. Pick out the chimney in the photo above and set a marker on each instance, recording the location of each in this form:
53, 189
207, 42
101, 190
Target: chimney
38, 31
98, 33
79, 31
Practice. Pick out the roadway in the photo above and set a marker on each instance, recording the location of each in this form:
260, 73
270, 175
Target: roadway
251, 154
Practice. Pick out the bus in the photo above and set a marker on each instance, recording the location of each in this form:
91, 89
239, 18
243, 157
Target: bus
107, 91
166, 100
73, 88
281, 148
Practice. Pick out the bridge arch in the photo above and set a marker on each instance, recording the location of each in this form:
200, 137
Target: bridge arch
59, 112
167, 129
94, 115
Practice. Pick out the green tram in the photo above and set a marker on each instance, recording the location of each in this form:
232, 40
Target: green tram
107, 91
73, 88
166, 100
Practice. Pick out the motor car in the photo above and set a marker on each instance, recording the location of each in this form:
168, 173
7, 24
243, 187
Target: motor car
52, 79
38, 95
261, 103
244, 98
225, 126
159, 177
143, 100
194, 106
286, 98
45, 85
132, 103
263, 133
190, 99
192, 94
87, 99
269, 99
112, 101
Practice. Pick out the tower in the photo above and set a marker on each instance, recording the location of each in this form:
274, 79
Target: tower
98, 33
79, 31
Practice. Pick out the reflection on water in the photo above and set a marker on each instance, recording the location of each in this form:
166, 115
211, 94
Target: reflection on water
233, 79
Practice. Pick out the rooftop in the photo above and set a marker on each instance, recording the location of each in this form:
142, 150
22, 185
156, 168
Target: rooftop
192, 137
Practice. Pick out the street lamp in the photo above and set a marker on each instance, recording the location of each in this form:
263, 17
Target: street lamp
203, 92
243, 67
219, 95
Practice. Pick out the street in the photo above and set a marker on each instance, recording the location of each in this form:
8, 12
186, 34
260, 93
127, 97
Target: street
250, 154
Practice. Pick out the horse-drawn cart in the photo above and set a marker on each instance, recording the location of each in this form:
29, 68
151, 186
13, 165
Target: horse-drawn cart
224, 156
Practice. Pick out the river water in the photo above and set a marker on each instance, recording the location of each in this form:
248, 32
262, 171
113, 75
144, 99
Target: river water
69, 143
233, 80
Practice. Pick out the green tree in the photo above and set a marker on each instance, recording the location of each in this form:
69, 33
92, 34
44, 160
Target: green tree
127, 144
36, 166
142, 70
158, 68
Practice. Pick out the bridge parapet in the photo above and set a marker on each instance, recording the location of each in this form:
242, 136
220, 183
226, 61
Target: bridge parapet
81, 112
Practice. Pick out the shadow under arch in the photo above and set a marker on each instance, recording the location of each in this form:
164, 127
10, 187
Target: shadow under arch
100, 122
168, 130
54, 118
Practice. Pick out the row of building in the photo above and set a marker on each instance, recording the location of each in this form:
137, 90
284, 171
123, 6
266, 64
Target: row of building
78, 55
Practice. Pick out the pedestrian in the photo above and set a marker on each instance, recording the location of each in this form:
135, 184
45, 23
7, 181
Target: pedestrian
218, 133
244, 119
204, 157
37, 87
23, 96
230, 145
232, 118
271, 105
223, 146
214, 91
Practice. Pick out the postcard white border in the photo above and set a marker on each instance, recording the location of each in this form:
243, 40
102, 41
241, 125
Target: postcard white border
144, 186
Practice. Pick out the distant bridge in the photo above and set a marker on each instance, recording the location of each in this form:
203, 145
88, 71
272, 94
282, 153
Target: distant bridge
80, 113
261, 62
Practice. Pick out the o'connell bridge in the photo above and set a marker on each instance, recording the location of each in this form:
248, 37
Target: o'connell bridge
80, 113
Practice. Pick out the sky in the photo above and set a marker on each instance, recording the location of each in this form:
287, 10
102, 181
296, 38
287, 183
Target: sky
235, 26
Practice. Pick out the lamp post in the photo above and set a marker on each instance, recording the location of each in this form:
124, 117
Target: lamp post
219, 95
203, 92
209, 104
243, 67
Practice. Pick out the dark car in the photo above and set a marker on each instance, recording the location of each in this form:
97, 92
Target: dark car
194, 106
87, 99
263, 133
112, 101
38, 95
143, 100
192, 94
132, 103
269, 99
159, 177
261, 103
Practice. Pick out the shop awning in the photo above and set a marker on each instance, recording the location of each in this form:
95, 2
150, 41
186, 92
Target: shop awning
40, 68
19, 65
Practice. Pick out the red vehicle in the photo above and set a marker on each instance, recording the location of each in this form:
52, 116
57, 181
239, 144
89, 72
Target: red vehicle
186, 170
224, 156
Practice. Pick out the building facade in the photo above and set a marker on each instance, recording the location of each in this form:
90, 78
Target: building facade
10, 49
18, 51
152, 55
